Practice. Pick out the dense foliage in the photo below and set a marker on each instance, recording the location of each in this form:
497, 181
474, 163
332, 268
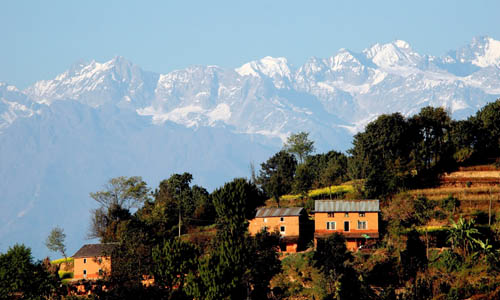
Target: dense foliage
187, 243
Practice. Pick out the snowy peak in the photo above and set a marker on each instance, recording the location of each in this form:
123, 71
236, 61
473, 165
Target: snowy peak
343, 59
397, 53
95, 84
13, 105
274, 68
482, 52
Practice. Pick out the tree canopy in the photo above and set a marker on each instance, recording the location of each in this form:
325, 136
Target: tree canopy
55, 241
277, 173
299, 145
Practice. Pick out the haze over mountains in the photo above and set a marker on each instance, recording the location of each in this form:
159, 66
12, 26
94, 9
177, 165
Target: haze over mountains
63, 138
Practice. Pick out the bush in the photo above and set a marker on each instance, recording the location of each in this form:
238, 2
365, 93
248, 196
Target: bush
449, 204
449, 261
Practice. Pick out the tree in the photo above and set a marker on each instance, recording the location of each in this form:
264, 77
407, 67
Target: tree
125, 192
332, 258
381, 155
433, 148
176, 193
464, 137
221, 274
488, 124
265, 262
303, 180
277, 173
226, 272
20, 277
172, 261
119, 195
334, 170
299, 145
204, 212
109, 224
55, 241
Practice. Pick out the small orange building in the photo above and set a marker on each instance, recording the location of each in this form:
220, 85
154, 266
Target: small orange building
357, 220
93, 261
291, 222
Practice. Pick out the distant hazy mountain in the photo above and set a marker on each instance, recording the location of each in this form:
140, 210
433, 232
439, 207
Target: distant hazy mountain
63, 138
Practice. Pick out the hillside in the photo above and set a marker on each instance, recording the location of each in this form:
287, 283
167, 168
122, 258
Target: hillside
474, 186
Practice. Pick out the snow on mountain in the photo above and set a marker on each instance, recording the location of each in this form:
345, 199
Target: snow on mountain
482, 52
14, 105
393, 55
95, 84
275, 68
63, 138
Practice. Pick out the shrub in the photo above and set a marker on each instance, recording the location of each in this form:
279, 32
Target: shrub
449, 261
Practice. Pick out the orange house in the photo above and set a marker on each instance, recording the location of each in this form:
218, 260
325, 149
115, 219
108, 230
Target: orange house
357, 220
291, 222
93, 261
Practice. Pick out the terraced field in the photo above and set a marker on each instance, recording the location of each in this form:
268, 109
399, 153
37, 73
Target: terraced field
475, 187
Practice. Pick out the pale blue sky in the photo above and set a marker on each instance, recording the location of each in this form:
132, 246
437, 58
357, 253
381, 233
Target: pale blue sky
40, 39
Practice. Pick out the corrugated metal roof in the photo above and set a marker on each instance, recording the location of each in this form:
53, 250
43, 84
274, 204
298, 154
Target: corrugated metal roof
346, 205
265, 212
93, 250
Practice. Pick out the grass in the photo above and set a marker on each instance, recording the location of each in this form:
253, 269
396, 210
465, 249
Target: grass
65, 274
333, 190
63, 260
431, 228
480, 193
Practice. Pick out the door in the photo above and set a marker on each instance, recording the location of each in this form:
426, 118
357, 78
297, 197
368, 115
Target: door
346, 225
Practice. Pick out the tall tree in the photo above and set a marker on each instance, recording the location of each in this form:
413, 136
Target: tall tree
55, 241
431, 134
226, 272
299, 145
332, 258
464, 137
125, 192
22, 278
222, 273
488, 122
381, 155
176, 193
172, 261
276, 175
118, 196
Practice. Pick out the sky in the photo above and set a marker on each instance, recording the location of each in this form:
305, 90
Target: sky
41, 39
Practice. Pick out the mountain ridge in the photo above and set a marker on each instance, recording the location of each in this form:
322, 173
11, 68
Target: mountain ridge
63, 138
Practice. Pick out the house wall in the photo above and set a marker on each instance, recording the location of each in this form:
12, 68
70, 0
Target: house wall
321, 218
291, 224
92, 265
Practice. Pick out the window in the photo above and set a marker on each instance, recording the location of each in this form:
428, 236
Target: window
361, 214
362, 225
282, 219
331, 215
101, 272
346, 215
84, 261
346, 226
330, 225
265, 220
282, 229
84, 273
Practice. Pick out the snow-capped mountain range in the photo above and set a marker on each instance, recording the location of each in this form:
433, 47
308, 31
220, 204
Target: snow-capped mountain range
63, 138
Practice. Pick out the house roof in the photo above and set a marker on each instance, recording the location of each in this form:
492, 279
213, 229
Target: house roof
346, 205
93, 250
265, 212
